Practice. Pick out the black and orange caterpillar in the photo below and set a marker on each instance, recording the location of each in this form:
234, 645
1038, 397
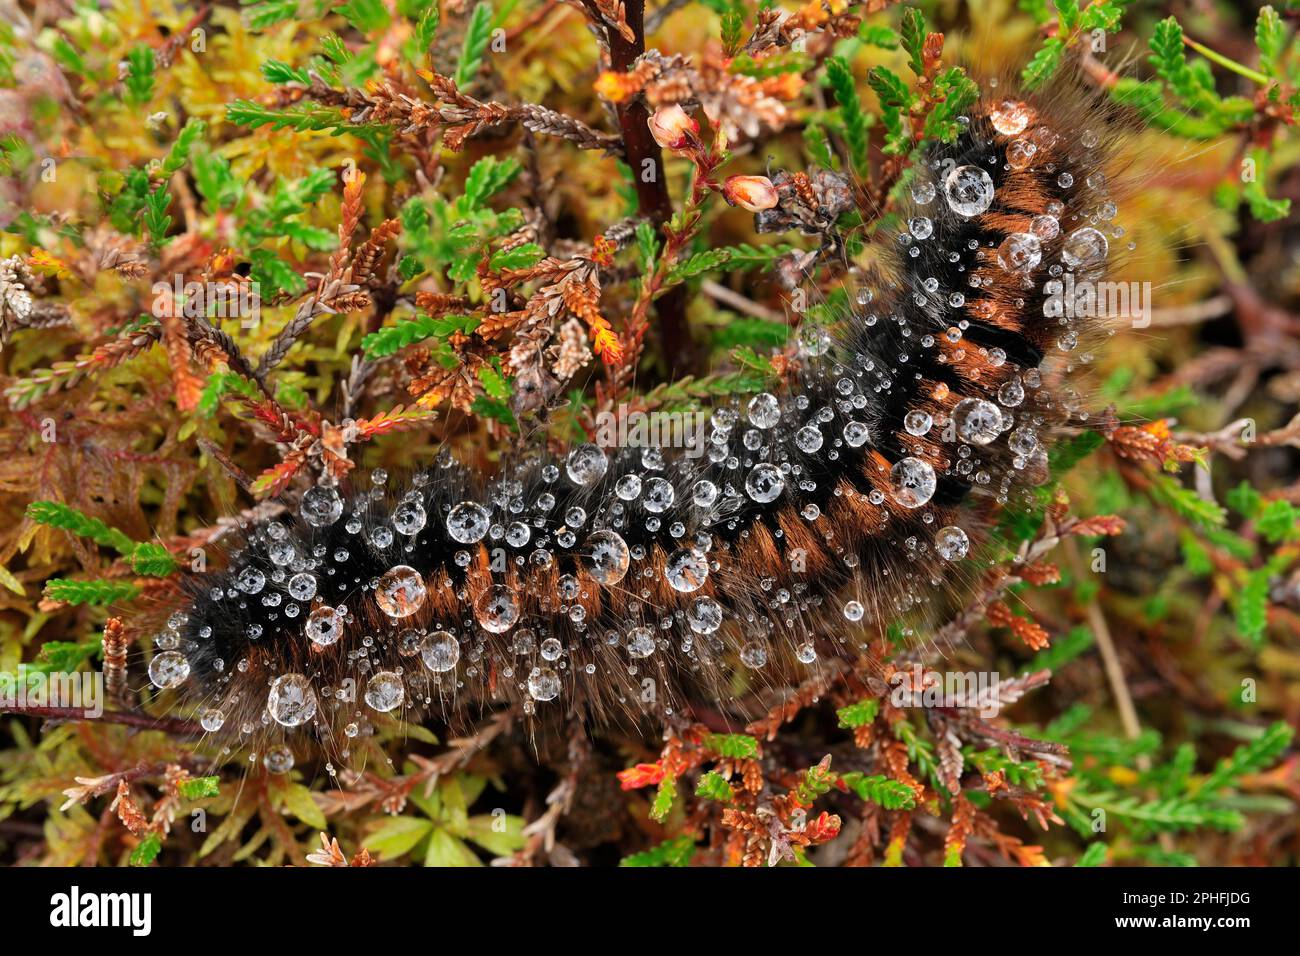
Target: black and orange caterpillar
630, 581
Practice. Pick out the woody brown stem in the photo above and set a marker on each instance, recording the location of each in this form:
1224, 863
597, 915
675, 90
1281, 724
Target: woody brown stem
168, 725
673, 332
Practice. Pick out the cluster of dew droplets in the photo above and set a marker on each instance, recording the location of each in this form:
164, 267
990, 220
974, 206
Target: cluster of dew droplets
632, 520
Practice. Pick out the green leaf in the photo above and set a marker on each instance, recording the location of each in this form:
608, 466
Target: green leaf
1095, 855
277, 72
368, 16
446, 849
1252, 607
1043, 64
298, 800
58, 515
877, 788
733, 30
396, 337
198, 788
859, 714
499, 834
89, 592
1186, 502
477, 35
397, 836
1279, 520
880, 36
852, 115
486, 178
664, 798
262, 15
139, 78
957, 91
675, 852
713, 786
426, 30
737, 257
152, 560
1253, 756
1270, 38
1244, 499
732, 746
147, 850
1073, 450
523, 256
1067, 12
913, 38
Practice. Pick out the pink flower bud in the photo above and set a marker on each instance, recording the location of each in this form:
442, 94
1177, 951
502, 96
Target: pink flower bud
754, 193
671, 125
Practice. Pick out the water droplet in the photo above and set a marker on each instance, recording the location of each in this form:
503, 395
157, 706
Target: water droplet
917, 422
586, 465
753, 655
278, 759
686, 570
302, 586
324, 626
292, 701
1020, 154
321, 506
969, 190
250, 580
543, 684
468, 522
951, 543
855, 434
704, 615
212, 720
409, 517
1010, 117
1020, 252
385, 691
659, 495
640, 642
808, 439
764, 410
704, 493
607, 558
1045, 228
496, 609
764, 483
853, 610
628, 487
1084, 248
168, 669
978, 421
401, 592
440, 651
920, 227
913, 482
1022, 441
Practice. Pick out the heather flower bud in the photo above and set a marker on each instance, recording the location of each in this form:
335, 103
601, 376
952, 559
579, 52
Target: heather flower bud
671, 126
754, 193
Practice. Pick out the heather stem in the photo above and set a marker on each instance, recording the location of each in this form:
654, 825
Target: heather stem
673, 331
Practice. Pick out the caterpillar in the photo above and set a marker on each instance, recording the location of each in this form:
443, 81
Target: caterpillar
619, 583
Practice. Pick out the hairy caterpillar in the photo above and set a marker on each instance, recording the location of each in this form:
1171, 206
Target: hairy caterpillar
623, 582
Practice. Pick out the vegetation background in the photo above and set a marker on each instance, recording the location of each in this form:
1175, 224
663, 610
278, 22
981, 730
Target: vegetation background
386, 170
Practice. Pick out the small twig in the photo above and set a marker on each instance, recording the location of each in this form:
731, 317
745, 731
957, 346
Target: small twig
168, 725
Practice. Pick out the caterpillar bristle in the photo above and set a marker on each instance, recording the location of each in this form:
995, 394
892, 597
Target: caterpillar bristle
621, 584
